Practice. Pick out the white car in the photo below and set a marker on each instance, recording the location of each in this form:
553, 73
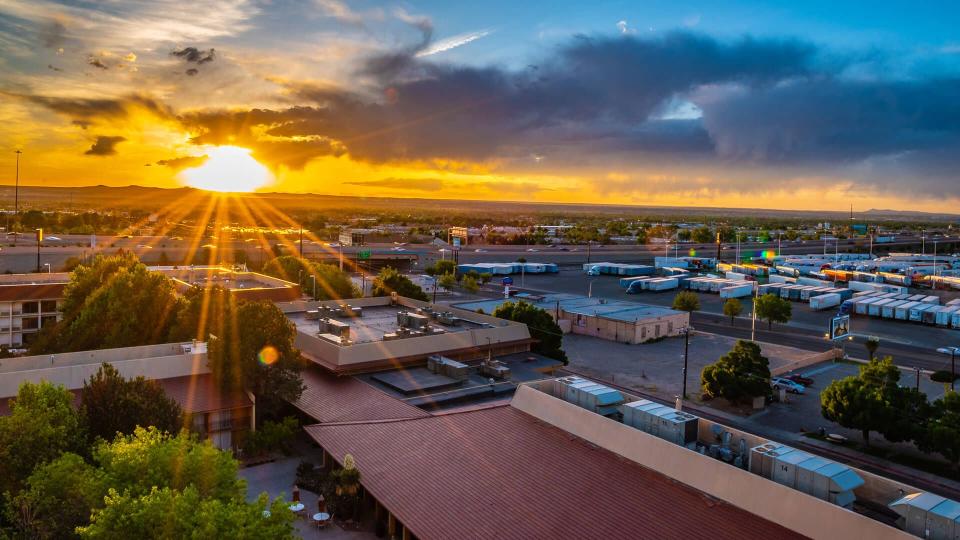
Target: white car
794, 388
531, 249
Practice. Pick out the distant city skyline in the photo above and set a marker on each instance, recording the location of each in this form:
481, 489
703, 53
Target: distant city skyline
750, 104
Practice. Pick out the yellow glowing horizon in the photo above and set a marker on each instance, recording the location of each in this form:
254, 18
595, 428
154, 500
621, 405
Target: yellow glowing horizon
228, 169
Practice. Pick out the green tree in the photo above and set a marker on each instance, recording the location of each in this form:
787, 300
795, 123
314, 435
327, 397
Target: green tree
867, 401
149, 458
331, 282
942, 433
42, 425
772, 308
390, 280
164, 513
741, 374
703, 235
470, 284
251, 347
441, 267
686, 301
541, 325
58, 498
114, 302
732, 308
114, 405
447, 281
485, 277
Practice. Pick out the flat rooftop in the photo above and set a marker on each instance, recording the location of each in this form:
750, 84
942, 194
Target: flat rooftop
461, 333
578, 305
377, 321
246, 285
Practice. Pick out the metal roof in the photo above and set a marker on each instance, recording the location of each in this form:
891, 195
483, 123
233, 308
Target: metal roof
501, 473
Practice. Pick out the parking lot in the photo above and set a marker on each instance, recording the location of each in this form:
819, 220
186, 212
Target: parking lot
573, 280
802, 412
657, 368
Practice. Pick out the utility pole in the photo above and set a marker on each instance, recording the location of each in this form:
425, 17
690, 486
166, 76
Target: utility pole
753, 322
686, 352
589, 243
16, 195
39, 240
923, 241
301, 241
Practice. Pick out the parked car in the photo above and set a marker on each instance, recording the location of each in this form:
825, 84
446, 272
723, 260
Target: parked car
779, 382
800, 379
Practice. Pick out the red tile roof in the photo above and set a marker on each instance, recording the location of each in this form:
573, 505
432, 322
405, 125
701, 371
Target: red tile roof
500, 473
31, 291
328, 398
199, 393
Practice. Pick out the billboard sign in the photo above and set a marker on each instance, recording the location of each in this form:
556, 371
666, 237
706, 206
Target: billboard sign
456, 242
840, 327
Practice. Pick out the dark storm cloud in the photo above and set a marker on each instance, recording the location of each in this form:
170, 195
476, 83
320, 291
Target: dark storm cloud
195, 55
593, 85
104, 146
83, 112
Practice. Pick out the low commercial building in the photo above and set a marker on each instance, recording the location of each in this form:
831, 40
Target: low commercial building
544, 467
243, 285
223, 416
372, 334
615, 320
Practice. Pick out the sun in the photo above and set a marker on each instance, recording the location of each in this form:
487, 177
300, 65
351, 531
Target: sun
228, 169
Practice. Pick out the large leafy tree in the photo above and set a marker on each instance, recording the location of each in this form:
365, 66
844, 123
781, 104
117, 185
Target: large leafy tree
58, 498
942, 432
114, 302
741, 374
251, 346
874, 401
391, 280
166, 513
42, 425
541, 325
116, 405
331, 282
773, 309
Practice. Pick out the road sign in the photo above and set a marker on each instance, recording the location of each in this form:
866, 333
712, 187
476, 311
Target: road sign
507, 280
456, 241
363, 254
840, 327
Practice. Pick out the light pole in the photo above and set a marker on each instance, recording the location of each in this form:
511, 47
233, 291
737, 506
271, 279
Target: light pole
314, 278
952, 351
738, 247
590, 288
16, 196
779, 239
686, 351
753, 322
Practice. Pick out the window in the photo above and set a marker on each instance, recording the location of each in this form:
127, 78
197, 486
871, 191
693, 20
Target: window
643, 332
48, 306
669, 327
48, 319
31, 323
657, 330
31, 307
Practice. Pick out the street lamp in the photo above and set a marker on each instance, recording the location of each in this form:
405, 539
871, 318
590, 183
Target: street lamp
952, 351
314, 278
686, 350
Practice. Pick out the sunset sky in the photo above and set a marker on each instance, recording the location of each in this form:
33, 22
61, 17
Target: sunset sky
796, 105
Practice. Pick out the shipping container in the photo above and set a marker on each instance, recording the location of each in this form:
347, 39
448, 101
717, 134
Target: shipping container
945, 315
824, 301
875, 308
916, 312
903, 310
889, 311
737, 291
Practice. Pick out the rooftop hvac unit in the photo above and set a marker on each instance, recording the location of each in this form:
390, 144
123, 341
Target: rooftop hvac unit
928, 515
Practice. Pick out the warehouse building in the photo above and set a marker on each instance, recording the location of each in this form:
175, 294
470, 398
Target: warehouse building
614, 320
494, 471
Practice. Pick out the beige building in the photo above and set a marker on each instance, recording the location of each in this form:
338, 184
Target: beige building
615, 320
28, 302
371, 334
